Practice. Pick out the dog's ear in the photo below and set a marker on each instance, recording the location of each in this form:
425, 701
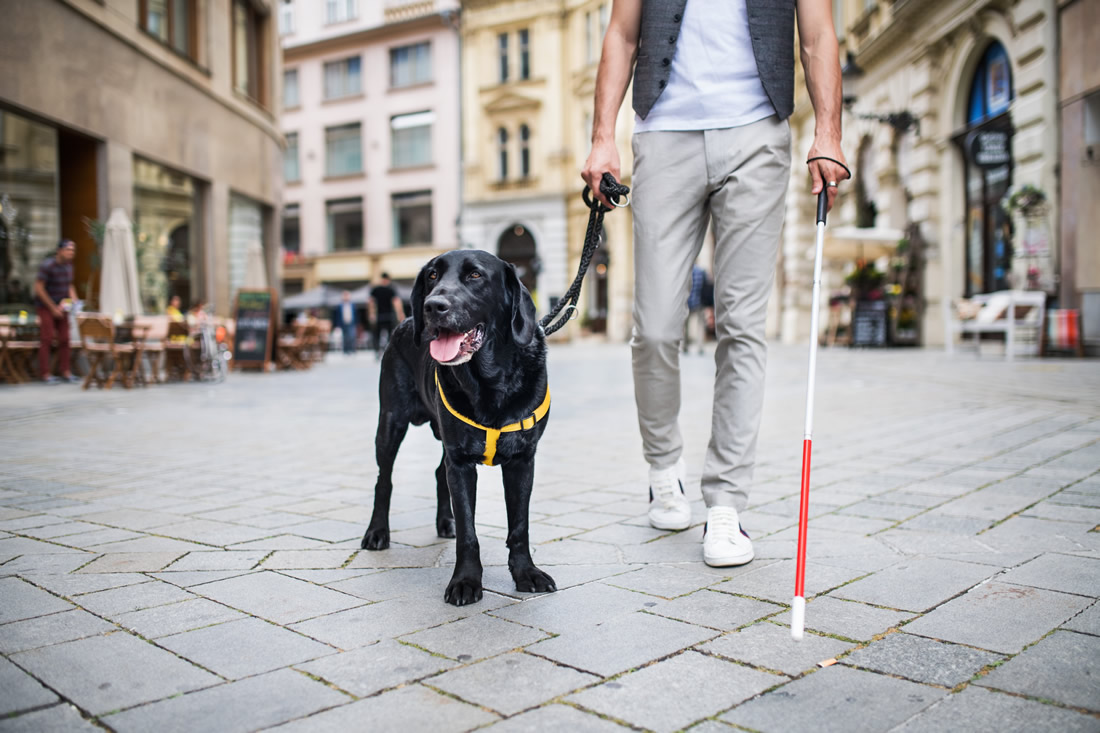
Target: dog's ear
416, 300
524, 318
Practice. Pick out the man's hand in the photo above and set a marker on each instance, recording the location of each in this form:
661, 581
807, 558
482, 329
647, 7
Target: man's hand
604, 158
823, 171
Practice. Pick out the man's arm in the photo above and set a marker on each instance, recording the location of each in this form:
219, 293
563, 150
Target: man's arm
821, 61
398, 308
620, 47
40, 291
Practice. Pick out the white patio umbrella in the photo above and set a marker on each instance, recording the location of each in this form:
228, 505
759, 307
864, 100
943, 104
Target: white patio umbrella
255, 271
118, 279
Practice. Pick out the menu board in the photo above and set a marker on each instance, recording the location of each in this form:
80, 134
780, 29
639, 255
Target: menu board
869, 323
256, 321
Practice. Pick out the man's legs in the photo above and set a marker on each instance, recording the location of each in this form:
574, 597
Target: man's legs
46, 330
348, 338
749, 171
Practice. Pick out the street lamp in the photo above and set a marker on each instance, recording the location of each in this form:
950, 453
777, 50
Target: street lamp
902, 121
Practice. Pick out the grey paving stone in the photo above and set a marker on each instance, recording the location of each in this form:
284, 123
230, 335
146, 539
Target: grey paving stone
53, 564
664, 581
775, 582
189, 579
25, 546
1064, 667
915, 585
510, 683
614, 646
326, 577
1087, 622
74, 584
674, 693
837, 699
1063, 573
943, 524
20, 691
22, 600
53, 629
475, 637
849, 619
89, 540
218, 560
556, 719
716, 610
56, 718
370, 669
306, 559
976, 709
105, 673
771, 647
397, 557
237, 707
584, 605
117, 601
922, 660
999, 617
176, 618
397, 583
131, 562
244, 647
499, 580
277, 597
327, 530
415, 707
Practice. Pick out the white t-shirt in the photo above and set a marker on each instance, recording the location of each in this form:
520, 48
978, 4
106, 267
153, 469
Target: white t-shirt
714, 82
346, 314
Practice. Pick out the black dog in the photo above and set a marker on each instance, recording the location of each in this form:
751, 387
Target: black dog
472, 362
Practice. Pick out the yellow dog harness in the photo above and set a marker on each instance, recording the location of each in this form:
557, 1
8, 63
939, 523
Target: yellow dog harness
491, 434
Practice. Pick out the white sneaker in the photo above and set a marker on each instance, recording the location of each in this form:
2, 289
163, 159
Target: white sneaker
668, 507
724, 542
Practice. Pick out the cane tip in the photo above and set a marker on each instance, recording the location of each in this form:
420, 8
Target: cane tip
798, 618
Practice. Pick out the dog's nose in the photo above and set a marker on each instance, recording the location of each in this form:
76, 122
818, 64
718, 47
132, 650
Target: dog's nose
435, 306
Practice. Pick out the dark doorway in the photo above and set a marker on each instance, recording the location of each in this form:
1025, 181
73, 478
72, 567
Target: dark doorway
516, 245
78, 187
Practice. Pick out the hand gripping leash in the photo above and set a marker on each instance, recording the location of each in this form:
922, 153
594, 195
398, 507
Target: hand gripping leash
613, 190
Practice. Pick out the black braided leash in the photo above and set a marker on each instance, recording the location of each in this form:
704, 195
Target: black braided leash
612, 189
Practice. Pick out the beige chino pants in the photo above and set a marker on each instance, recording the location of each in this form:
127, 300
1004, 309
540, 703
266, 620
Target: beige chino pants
736, 178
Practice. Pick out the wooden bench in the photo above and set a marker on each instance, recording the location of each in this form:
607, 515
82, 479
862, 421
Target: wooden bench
1007, 312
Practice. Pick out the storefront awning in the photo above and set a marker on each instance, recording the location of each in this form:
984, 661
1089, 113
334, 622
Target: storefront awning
859, 243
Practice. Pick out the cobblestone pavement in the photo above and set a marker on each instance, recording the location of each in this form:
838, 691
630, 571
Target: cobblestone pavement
186, 558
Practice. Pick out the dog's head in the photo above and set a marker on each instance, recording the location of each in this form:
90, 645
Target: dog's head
464, 298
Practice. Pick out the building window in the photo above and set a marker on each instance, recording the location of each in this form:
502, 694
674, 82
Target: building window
343, 150
411, 139
168, 236
290, 89
292, 229
172, 22
339, 11
412, 219
248, 61
343, 78
411, 65
524, 151
291, 172
345, 224
524, 54
502, 154
246, 229
286, 17
502, 41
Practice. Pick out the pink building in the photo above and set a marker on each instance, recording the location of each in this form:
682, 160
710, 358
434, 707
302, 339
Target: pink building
371, 119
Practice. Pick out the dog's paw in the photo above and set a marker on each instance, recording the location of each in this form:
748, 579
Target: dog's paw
533, 580
445, 527
463, 591
376, 539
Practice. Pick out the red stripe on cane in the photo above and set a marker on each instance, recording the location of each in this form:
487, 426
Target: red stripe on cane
803, 519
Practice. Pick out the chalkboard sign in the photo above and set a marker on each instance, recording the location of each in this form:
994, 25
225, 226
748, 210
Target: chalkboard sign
254, 339
869, 323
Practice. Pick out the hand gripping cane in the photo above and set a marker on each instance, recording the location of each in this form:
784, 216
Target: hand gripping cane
798, 606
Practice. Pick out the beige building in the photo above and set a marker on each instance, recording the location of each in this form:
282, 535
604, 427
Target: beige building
372, 126
528, 78
165, 108
954, 104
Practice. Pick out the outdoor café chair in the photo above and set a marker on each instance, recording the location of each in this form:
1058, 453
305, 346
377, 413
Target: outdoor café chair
108, 361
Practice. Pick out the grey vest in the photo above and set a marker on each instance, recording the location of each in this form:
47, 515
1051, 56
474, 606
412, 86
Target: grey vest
771, 26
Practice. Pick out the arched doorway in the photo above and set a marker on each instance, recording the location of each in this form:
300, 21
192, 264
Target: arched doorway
516, 245
986, 146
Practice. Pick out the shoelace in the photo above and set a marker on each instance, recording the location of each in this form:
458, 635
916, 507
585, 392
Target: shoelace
665, 492
724, 523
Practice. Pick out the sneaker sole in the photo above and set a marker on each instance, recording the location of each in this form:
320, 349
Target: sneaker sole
656, 524
726, 561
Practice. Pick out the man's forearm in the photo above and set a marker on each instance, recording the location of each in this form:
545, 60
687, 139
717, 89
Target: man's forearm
40, 291
612, 79
820, 56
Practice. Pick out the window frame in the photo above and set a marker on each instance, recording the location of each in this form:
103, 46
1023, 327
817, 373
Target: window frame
402, 122
410, 200
256, 87
347, 10
524, 151
192, 52
412, 60
502, 50
330, 239
286, 18
292, 136
345, 76
297, 89
502, 154
330, 129
523, 52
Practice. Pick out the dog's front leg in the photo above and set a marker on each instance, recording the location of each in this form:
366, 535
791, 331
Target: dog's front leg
444, 516
519, 478
465, 585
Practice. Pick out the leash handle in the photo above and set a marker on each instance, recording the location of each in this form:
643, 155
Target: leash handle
610, 188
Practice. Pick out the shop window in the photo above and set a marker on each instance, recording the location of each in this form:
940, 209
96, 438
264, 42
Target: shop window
411, 65
248, 50
411, 139
502, 44
343, 78
502, 154
524, 43
991, 91
341, 11
345, 224
291, 171
343, 150
166, 236
524, 151
290, 89
172, 22
292, 229
412, 219
246, 227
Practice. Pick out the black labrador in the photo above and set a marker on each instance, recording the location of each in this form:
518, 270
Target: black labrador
472, 362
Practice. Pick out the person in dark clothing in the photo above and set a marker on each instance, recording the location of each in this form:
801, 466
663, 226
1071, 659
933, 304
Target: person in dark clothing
54, 296
385, 309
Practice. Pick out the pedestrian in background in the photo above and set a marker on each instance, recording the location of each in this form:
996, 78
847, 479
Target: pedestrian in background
713, 88
386, 311
54, 298
344, 319
697, 316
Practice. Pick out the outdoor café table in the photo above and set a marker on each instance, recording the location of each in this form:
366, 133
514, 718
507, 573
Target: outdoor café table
18, 345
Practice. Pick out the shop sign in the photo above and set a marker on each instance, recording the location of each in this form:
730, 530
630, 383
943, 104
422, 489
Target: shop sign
990, 148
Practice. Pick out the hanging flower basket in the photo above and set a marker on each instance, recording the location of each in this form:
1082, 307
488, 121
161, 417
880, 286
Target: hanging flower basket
1028, 201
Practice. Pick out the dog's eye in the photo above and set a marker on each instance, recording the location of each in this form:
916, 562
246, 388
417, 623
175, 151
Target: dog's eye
432, 275
474, 275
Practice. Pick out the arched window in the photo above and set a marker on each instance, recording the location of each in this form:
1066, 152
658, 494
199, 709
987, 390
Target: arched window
991, 90
502, 154
524, 151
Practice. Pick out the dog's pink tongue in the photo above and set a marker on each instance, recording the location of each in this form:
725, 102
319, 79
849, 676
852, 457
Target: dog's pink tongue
445, 347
